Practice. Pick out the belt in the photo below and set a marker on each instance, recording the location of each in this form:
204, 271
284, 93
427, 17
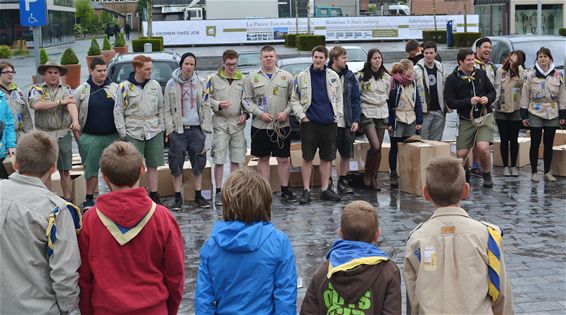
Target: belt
140, 117
190, 126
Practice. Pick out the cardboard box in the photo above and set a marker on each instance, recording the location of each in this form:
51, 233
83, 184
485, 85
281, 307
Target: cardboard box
559, 139
78, 186
8, 165
273, 174
413, 158
558, 166
360, 152
522, 158
297, 156
188, 187
165, 180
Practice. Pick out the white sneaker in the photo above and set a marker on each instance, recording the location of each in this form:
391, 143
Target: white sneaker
506, 171
548, 177
514, 172
535, 177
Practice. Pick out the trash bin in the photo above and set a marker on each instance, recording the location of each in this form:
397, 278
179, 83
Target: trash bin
449, 34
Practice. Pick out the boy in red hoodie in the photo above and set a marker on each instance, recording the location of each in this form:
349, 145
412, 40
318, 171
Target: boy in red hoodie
131, 249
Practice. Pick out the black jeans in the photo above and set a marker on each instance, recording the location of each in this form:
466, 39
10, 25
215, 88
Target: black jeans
509, 132
536, 135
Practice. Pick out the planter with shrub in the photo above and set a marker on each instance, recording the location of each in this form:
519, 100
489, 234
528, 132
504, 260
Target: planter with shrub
107, 52
71, 62
5, 52
156, 43
120, 46
465, 40
306, 42
93, 52
562, 31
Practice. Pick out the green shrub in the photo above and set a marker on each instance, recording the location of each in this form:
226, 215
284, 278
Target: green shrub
106, 43
43, 57
438, 36
21, 52
465, 39
94, 49
156, 44
79, 30
562, 31
291, 40
307, 42
69, 57
119, 41
5, 51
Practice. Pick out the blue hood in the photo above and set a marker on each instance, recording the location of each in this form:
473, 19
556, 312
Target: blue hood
237, 236
345, 255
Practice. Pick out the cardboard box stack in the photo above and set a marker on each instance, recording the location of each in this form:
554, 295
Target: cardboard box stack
78, 186
559, 160
522, 158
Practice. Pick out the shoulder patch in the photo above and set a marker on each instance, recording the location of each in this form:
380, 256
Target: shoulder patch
493, 226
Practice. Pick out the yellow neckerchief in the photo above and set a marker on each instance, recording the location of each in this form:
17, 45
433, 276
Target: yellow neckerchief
237, 74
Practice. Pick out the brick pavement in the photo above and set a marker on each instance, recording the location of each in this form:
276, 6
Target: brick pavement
533, 217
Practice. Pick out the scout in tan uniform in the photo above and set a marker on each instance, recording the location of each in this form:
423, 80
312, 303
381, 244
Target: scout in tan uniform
56, 113
138, 116
16, 98
318, 105
224, 90
267, 92
453, 263
39, 254
405, 111
543, 107
508, 85
374, 90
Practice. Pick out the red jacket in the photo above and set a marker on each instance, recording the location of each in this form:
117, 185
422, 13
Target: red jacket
144, 275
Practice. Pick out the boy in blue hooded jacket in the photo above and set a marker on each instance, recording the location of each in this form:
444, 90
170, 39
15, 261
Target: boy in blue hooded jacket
357, 276
247, 266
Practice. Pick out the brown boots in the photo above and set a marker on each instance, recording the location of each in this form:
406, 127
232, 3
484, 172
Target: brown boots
371, 170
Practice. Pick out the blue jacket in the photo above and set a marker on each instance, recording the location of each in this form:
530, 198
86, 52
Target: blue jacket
246, 269
351, 99
7, 127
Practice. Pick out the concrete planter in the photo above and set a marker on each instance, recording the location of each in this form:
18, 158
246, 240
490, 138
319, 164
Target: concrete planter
121, 50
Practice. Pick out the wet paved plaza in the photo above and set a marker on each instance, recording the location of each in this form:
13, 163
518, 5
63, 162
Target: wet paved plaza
533, 216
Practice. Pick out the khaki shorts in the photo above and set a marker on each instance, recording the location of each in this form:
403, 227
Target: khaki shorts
222, 142
90, 149
537, 122
467, 133
65, 158
373, 122
151, 150
403, 130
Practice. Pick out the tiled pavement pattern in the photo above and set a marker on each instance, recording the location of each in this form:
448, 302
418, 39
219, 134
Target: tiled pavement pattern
533, 216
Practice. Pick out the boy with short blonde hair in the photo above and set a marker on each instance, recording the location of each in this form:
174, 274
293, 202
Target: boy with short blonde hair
357, 276
453, 263
247, 266
140, 240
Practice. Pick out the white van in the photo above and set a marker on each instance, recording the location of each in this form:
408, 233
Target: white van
397, 9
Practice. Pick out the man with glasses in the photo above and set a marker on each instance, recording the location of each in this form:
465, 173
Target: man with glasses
16, 99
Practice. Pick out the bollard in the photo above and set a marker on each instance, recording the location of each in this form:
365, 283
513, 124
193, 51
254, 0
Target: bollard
449, 34
147, 47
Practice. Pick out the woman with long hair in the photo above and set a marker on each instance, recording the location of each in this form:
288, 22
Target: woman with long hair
405, 110
508, 85
543, 108
374, 87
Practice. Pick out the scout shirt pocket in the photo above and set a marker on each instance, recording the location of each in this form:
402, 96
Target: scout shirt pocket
553, 88
20, 108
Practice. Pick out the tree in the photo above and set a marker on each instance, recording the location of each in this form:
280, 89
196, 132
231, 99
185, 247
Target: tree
86, 17
149, 18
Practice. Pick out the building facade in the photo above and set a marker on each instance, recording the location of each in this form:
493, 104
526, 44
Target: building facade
123, 8
525, 16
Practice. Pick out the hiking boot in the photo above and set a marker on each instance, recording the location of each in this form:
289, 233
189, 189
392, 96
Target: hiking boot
343, 187
201, 202
329, 195
87, 204
549, 178
306, 197
394, 180
506, 171
178, 204
155, 197
218, 199
468, 176
331, 183
287, 196
487, 180
514, 171
535, 177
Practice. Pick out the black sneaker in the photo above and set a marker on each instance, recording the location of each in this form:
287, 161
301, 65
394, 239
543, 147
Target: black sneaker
87, 204
178, 205
305, 198
155, 197
343, 187
394, 180
468, 176
487, 180
331, 183
287, 196
330, 195
201, 202
218, 200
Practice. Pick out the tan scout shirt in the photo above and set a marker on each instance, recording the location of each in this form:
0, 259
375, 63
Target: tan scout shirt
374, 94
30, 282
139, 112
19, 106
218, 89
488, 67
82, 96
509, 90
55, 121
262, 94
405, 110
544, 97
446, 267
302, 94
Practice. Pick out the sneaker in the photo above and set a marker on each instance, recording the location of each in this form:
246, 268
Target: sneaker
343, 187
514, 172
201, 202
178, 204
155, 197
477, 172
468, 176
330, 195
535, 177
87, 204
218, 199
287, 196
506, 171
394, 180
306, 197
549, 178
331, 183
487, 180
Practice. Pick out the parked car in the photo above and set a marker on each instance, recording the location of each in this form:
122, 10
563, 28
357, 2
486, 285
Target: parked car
503, 45
294, 65
164, 64
248, 61
357, 56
